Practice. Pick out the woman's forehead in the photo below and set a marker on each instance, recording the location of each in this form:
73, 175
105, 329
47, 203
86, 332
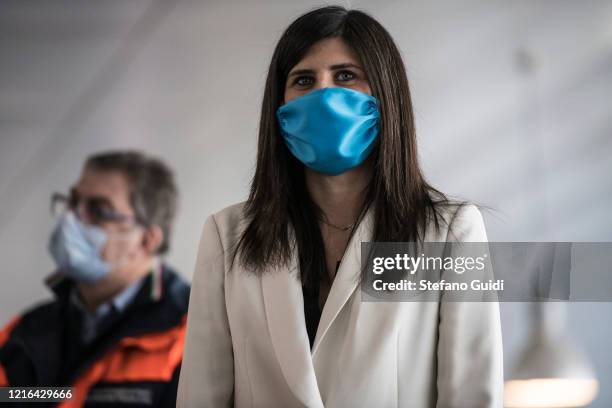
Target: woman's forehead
327, 53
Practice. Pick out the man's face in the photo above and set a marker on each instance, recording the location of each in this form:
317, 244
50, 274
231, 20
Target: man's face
103, 199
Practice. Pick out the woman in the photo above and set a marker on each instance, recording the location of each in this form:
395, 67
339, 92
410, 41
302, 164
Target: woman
275, 315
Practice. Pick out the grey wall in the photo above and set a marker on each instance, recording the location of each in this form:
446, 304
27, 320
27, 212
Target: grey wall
512, 103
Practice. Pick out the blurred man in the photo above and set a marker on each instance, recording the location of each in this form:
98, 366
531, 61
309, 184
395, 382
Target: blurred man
116, 327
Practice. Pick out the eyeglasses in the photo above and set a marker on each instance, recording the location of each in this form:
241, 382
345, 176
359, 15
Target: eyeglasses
95, 210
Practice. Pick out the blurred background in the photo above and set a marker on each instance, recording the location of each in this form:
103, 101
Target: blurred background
513, 105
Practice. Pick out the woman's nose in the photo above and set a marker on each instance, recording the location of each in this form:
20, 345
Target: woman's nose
325, 81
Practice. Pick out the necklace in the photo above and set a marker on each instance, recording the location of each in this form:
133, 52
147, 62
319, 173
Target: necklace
347, 228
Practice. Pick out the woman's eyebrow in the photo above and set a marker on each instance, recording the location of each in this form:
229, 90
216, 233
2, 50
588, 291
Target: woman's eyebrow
345, 65
301, 72
331, 67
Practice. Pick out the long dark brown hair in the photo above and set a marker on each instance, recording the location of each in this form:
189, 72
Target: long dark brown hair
402, 200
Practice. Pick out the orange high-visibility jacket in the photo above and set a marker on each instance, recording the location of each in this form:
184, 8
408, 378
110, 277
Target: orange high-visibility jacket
134, 361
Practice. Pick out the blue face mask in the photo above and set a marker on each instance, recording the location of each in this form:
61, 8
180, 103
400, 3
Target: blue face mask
330, 130
76, 249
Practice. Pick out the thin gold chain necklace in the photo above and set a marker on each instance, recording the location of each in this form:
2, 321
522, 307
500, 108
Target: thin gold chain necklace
347, 228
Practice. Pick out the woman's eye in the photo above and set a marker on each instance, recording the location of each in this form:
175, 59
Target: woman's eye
303, 81
345, 76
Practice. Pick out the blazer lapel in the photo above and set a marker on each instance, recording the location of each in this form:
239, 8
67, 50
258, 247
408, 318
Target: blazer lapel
347, 278
284, 307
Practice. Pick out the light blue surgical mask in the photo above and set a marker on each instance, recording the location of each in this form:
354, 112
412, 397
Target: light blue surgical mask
330, 130
77, 248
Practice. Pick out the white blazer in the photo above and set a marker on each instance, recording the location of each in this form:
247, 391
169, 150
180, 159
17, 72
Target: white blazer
247, 345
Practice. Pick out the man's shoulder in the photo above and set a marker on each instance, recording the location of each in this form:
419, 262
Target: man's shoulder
36, 318
41, 310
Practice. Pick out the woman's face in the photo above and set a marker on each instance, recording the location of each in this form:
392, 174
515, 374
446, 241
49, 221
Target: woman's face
329, 63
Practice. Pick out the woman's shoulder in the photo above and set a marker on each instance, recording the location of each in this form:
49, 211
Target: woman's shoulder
231, 214
454, 211
457, 221
229, 222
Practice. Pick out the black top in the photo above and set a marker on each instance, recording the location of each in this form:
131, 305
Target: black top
312, 311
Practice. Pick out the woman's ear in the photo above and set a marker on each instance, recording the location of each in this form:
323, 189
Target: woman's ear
152, 239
